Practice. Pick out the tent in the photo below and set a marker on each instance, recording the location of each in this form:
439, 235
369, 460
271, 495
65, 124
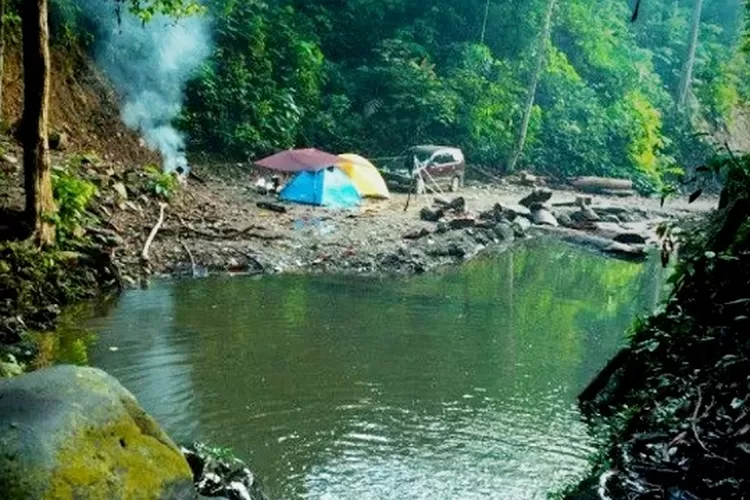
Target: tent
329, 187
298, 160
364, 175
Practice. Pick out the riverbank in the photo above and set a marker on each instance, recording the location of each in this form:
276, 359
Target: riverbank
212, 224
673, 408
215, 226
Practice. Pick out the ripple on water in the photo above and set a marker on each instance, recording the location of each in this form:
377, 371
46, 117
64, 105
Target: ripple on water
452, 386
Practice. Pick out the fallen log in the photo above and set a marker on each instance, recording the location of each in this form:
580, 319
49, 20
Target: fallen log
154, 230
273, 207
599, 184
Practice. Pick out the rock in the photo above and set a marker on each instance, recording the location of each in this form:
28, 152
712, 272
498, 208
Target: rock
611, 218
630, 239
218, 475
448, 249
513, 211
431, 215
504, 231
521, 225
528, 179
119, 188
442, 228
458, 205
544, 218
59, 141
564, 219
583, 201
462, 223
440, 201
481, 237
71, 432
585, 214
541, 206
541, 195
416, 234
495, 213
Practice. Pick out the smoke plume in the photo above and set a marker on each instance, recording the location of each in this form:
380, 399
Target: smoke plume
149, 65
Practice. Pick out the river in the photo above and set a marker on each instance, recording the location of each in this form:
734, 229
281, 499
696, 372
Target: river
458, 384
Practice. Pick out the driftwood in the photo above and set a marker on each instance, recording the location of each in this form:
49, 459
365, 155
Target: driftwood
231, 233
273, 207
599, 184
154, 230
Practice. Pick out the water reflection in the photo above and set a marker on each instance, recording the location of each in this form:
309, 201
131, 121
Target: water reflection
457, 385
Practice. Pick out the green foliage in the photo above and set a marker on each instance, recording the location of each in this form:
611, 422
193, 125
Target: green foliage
72, 196
262, 80
377, 78
162, 184
147, 9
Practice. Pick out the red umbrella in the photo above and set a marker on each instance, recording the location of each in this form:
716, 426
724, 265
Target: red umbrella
297, 160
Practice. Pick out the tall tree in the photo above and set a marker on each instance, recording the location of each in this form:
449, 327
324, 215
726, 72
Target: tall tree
40, 203
2, 52
541, 53
687, 72
484, 21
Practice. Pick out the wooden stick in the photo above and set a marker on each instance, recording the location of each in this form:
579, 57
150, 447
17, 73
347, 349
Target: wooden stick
190, 254
157, 226
693, 425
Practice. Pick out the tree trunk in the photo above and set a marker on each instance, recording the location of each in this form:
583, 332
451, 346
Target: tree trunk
687, 72
40, 204
484, 22
2, 53
531, 97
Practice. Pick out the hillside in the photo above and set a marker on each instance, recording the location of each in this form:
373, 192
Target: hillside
83, 104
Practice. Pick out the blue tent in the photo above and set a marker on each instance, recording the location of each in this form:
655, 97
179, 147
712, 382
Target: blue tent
329, 187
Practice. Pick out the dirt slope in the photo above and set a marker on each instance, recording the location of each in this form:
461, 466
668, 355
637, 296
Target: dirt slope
82, 103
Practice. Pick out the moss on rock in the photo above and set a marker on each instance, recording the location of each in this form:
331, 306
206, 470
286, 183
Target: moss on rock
70, 433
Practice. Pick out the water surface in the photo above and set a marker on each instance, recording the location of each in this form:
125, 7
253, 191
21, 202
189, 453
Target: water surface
453, 385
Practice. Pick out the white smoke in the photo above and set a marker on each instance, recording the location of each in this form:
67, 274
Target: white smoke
149, 65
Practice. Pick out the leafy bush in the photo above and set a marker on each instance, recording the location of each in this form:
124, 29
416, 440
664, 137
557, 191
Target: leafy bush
162, 184
72, 195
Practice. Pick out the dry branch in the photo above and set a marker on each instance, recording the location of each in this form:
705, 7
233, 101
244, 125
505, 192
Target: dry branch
157, 226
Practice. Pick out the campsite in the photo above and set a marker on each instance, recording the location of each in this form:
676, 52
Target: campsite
363, 250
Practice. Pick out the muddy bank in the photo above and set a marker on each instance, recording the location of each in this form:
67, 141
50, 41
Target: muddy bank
213, 225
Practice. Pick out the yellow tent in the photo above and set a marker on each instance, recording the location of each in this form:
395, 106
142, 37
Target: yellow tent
364, 175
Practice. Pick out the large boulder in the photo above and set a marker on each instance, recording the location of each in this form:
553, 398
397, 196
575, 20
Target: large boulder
69, 432
538, 196
544, 217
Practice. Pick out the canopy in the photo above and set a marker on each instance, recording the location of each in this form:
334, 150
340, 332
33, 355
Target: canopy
299, 160
329, 187
364, 175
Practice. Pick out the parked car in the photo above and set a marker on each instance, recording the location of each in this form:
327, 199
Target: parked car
426, 166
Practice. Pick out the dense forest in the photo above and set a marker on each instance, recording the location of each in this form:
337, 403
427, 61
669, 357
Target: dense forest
565, 87
613, 97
